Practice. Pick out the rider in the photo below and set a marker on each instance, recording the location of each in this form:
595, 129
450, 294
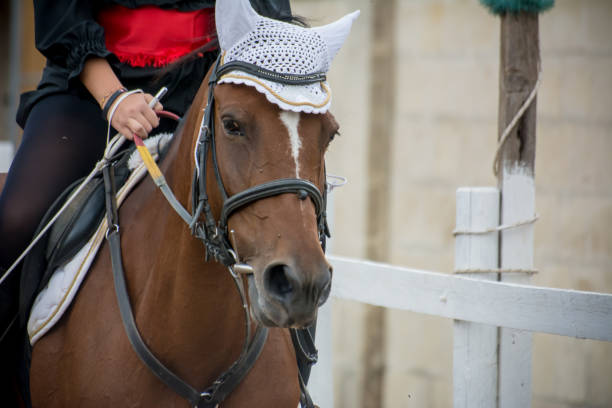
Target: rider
96, 51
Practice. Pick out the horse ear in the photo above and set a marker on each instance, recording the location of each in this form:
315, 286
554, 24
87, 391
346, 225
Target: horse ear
234, 19
334, 34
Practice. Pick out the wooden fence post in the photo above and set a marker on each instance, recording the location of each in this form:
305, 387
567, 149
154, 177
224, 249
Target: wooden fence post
475, 344
519, 70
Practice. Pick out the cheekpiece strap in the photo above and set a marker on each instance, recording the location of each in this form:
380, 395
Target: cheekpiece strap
286, 79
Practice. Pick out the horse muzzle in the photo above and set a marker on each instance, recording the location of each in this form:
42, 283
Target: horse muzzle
284, 295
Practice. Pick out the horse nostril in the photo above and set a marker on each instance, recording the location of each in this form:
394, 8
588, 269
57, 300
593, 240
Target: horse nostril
277, 281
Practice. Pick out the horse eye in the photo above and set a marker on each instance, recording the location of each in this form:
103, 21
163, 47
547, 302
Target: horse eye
232, 127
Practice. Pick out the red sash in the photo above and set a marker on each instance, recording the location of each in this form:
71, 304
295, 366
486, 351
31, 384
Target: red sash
151, 36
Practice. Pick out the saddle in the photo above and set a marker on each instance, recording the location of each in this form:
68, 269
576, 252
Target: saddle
68, 234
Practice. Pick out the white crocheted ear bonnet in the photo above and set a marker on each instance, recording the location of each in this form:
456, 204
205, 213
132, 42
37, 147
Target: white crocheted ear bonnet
281, 47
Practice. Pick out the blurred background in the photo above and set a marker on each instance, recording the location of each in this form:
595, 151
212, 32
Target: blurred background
415, 90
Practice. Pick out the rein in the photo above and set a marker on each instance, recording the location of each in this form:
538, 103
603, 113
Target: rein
214, 235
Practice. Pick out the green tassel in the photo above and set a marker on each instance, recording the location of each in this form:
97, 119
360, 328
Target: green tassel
515, 6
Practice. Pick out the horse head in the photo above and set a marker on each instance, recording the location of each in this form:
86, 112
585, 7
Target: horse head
278, 236
270, 128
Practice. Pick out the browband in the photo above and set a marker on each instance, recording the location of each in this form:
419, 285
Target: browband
286, 79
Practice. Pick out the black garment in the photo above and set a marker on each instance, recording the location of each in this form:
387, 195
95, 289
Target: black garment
67, 34
63, 137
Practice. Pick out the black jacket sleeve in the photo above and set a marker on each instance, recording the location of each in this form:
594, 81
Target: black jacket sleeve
66, 32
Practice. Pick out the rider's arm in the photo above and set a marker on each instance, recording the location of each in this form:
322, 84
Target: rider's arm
99, 79
68, 35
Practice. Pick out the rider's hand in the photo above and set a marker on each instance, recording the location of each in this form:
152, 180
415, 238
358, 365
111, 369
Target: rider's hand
133, 115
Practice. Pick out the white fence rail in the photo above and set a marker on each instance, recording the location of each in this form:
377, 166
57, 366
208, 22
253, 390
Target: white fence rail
586, 315
478, 302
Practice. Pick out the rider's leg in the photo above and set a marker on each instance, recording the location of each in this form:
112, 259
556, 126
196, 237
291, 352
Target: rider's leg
62, 140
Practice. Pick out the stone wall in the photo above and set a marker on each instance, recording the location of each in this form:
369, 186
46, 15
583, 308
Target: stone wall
445, 137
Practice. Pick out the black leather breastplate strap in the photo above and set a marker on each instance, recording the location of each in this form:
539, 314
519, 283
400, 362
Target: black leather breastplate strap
225, 384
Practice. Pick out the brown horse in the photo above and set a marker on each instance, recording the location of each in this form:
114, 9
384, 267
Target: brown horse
187, 309
254, 195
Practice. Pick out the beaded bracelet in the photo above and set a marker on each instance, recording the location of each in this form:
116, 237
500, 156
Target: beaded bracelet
106, 105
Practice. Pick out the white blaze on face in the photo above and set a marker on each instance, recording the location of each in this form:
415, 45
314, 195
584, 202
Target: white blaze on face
291, 120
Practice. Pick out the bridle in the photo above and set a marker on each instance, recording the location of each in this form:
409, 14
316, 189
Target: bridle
214, 233
215, 237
